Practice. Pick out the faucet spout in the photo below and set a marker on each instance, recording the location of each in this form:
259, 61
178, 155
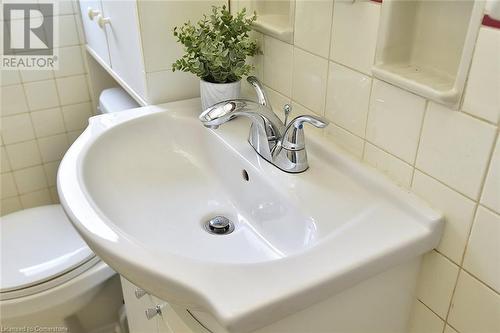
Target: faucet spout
259, 90
266, 128
280, 146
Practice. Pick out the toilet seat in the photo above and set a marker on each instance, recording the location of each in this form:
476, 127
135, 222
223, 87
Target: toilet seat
40, 250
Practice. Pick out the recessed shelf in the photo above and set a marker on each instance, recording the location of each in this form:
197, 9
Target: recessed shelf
426, 46
274, 18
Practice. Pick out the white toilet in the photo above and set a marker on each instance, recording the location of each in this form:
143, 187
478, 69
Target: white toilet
48, 272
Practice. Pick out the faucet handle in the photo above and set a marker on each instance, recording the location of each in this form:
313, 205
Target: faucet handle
287, 109
293, 138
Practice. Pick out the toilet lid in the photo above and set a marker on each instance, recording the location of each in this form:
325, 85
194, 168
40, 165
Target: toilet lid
37, 245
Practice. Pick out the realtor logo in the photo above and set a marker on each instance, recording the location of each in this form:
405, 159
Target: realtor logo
28, 35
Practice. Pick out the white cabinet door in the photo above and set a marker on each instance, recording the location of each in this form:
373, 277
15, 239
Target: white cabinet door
125, 47
96, 37
137, 321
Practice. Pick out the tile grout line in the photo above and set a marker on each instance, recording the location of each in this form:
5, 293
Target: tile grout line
421, 130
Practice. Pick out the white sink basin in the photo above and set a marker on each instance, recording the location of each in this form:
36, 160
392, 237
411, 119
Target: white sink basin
138, 185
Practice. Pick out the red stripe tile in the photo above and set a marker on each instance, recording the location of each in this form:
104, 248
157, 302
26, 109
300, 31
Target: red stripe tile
488, 21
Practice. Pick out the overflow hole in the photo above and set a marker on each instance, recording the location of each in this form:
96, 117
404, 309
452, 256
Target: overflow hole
244, 173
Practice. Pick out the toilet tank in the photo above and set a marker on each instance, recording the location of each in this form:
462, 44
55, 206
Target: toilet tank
114, 100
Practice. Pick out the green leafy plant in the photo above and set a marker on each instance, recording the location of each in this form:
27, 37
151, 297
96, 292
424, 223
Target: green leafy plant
217, 46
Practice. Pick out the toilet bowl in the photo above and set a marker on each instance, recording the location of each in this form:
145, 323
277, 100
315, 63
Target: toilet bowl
48, 272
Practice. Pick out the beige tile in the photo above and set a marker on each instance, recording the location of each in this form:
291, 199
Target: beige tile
9, 77
422, 320
41, 94
313, 20
347, 98
437, 279
309, 80
10, 205
68, 34
73, 89
395, 120
73, 135
455, 148
37, 198
48, 122
278, 61
491, 191
17, 128
23, 154
482, 258
457, 209
70, 61
54, 195
13, 100
77, 116
393, 167
475, 307
482, 97
29, 75
354, 34
8, 185
345, 140
5, 164
449, 329
51, 172
30, 179
53, 147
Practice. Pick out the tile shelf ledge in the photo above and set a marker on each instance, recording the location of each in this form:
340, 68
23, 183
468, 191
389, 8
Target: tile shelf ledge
416, 52
277, 26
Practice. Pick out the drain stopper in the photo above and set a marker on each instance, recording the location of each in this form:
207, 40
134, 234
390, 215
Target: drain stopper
219, 225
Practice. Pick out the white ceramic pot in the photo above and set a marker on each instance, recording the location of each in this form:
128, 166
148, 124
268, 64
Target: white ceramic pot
212, 93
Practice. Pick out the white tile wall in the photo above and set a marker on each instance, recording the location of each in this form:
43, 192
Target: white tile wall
423, 320
491, 192
354, 34
348, 98
484, 248
455, 149
475, 307
313, 20
437, 280
395, 120
444, 156
395, 168
309, 83
482, 97
41, 113
278, 60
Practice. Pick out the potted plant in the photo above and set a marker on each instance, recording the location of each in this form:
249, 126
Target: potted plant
216, 49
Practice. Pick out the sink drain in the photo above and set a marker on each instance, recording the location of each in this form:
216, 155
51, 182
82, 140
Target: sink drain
219, 225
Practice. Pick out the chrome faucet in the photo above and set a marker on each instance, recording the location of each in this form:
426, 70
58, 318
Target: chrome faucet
279, 143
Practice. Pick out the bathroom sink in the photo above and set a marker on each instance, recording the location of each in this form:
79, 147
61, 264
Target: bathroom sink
140, 186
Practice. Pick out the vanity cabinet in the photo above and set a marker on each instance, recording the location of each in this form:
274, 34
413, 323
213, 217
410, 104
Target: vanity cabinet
96, 38
113, 39
166, 320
